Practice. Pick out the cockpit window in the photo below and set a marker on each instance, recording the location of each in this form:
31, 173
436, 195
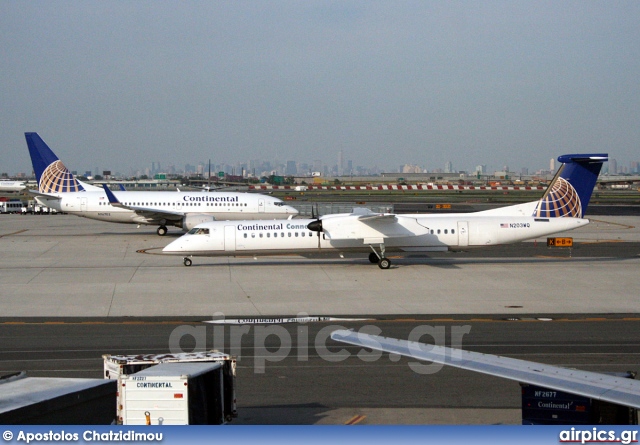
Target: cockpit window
278, 203
199, 231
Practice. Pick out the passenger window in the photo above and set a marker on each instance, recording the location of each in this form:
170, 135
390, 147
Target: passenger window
253, 235
446, 231
302, 234
289, 234
438, 231
453, 231
268, 235
296, 234
261, 235
245, 235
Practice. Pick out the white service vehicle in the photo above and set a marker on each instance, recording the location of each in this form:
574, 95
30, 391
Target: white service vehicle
116, 367
173, 394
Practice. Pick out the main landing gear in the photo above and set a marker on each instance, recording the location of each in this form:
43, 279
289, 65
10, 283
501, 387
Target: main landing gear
162, 230
375, 257
187, 261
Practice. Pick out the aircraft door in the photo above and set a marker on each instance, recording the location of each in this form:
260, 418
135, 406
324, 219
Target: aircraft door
229, 238
261, 206
83, 204
463, 233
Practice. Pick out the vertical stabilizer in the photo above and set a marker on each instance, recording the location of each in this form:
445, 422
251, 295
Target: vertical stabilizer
52, 175
570, 191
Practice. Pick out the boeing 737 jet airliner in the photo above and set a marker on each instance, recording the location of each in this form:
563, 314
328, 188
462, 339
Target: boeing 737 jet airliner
561, 208
12, 186
60, 190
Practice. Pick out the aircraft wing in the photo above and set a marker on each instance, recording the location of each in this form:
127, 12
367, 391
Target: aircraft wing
148, 213
381, 218
598, 386
366, 225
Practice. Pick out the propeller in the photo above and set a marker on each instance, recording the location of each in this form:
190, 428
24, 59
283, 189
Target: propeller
315, 226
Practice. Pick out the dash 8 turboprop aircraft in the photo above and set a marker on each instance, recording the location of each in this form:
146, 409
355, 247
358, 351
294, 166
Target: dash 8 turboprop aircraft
561, 208
60, 190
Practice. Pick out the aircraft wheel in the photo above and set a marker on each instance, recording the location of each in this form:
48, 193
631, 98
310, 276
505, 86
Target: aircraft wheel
162, 230
384, 263
373, 258
187, 262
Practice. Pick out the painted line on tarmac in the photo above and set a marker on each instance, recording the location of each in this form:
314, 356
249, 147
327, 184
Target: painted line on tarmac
503, 318
14, 233
603, 241
47, 322
508, 319
355, 419
626, 226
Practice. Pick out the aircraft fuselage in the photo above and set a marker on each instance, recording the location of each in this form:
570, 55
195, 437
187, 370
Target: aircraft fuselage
420, 233
220, 205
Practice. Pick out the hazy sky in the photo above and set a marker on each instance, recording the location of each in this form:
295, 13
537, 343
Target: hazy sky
120, 84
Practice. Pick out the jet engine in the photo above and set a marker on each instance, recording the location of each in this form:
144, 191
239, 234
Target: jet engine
190, 220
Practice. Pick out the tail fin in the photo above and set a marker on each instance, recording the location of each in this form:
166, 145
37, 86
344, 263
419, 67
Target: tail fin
570, 191
52, 175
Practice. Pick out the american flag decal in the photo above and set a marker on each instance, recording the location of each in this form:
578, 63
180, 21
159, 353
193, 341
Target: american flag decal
504, 226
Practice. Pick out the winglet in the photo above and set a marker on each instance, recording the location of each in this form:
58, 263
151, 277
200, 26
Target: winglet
112, 198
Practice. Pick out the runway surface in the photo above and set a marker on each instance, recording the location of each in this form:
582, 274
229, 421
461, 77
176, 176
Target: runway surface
57, 266
311, 383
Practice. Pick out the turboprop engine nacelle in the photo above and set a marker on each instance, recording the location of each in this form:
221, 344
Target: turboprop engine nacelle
189, 221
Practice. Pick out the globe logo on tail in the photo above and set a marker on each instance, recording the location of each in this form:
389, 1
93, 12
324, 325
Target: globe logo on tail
562, 200
56, 178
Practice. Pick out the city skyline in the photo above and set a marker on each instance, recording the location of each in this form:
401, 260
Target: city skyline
259, 168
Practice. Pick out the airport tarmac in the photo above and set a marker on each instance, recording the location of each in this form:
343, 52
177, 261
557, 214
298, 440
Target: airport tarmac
62, 265
296, 375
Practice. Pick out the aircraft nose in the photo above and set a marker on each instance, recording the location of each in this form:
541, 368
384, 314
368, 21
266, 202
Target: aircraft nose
174, 246
292, 210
